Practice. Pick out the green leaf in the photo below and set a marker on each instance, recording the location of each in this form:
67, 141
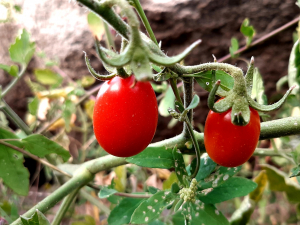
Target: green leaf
153, 190
294, 68
150, 209
167, 184
194, 103
258, 90
69, 108
217, 178
156, 222
41, 146
37, 218
47, 77
22, 50
206, 167
205, 80
122, 213
153, 157
279, 181
295, 171
105, 192
232, 188
179, 166
95, 25
33, 106
247, 30
167, 102
12, 170
12, 70
234, 47
199, 213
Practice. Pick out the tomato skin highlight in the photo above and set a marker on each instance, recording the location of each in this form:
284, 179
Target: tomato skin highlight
125, 116
227, 144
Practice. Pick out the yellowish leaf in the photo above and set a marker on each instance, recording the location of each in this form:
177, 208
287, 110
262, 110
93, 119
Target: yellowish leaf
89, 108
261, 179
167, 184
96, 25
120, 179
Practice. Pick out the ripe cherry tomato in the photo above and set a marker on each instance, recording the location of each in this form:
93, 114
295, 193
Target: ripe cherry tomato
227, 144
125, 116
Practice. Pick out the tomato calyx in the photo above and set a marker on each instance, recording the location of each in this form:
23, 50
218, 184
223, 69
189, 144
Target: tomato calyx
238, 99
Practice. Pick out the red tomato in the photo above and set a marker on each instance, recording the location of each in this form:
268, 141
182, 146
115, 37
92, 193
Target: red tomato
125, 116
227, 144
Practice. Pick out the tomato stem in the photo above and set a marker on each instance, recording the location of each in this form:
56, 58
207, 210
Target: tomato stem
196, 145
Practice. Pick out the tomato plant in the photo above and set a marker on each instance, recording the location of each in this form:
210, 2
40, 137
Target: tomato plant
125, 116
228, 144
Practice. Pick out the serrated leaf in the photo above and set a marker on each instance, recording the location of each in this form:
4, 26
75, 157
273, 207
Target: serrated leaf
205, 80
122, 213
167, 184
294, 68
153, 157
217, 178
12, 70
22, 50
96, 25
258, 90
33, 106
206, 167
151, 208
167, 102
194, 103
47, 77
12, 170
41, 146
279, 181
234, 47
199, 213
105, 192
232, 188
37, 218
179, 167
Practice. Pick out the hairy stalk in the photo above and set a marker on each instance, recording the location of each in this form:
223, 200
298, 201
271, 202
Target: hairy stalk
109, 38
64, 207
188, 93
144, 19
15, 118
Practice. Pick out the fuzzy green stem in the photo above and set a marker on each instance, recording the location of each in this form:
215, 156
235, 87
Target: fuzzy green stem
173, 83
188, 92
109, 38
144, 19
14, 82
64, 207
196, 146
82, 177
15, 118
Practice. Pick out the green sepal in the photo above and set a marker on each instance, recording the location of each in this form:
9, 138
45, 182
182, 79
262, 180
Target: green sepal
169, 61
240, 113
94, 73
140, 65
224, 104
116, 61
175, 188
266, 108
109, 53
249, 77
